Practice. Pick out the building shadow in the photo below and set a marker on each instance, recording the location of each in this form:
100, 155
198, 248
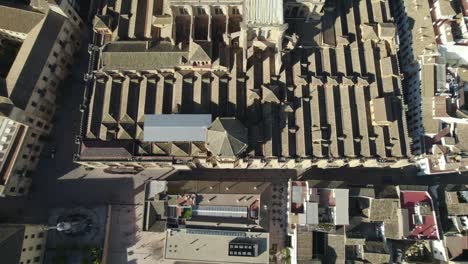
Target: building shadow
126, 214
244, 175
410, 68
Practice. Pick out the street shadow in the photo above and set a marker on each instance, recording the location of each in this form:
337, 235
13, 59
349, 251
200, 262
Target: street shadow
89, 191
381, 176
410, 69
238, 175
59, 148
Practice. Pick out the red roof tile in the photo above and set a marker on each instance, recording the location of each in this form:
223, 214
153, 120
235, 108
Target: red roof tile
428, 228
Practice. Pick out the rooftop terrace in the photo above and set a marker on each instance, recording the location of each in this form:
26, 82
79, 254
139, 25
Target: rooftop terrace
211, 246
422, 222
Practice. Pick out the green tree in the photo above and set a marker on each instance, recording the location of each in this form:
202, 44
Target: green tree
285, 256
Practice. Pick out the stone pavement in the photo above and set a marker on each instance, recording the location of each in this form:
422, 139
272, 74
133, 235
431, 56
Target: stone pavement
128, 244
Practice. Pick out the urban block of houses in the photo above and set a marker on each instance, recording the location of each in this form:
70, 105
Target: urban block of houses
383, 224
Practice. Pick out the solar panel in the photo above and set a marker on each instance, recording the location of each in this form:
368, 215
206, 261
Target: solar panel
216, 232
220, 211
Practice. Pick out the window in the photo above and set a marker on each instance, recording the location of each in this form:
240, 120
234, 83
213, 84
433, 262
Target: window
55, 54
24, 249
41, 234
30, 120
33, 135
36, 259
46, 127
200, 11
301, 12
25, 237
45, 79
40, 124
30, 248
69, 12
66, 30
32, 159
12, 189
20, 172
41, 92
28, 261
183, 11
42, 108
25, 156
33, 104
33, 236
61, 44
38, 247
53, 83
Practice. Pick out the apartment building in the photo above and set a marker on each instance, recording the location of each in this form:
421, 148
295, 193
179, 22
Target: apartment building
38, 44
22, 243
316, 220
19, 152
327, 97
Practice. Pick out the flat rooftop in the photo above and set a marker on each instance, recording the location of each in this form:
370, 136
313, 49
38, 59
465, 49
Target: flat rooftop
211, 246
427, 228
227, 199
